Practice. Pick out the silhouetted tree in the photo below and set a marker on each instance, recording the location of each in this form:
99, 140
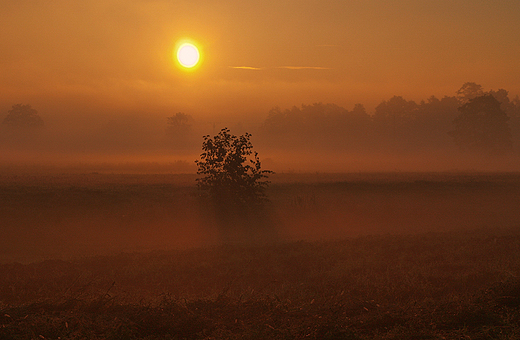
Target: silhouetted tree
180, 130
469, 91
512, 109
434, 118
395, 108
180, 121
317, 125
513, 112
236, 187
359, 111
23, 116
232, 174
482, 125
393, 119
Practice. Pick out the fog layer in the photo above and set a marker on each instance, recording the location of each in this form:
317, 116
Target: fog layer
436, 134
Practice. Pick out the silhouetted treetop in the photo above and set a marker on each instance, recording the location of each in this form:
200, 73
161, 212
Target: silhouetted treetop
469, 91
395, 108
482, 125
23, 116
179, 131
180, 120
315, 125
396, 123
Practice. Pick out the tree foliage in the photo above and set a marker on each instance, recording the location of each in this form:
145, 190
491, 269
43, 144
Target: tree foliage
179, 130
179, 122
397, 124
482, 125
231, 171
469, 91
316, 125
23, 116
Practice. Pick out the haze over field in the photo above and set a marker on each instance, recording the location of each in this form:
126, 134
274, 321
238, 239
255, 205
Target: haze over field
104, 78
225, 169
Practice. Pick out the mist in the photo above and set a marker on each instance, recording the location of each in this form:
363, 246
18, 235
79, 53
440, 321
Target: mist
398, 135
120, 180
313, 169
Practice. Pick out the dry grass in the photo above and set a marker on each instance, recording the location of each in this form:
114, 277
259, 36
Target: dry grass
386, 256
428, 286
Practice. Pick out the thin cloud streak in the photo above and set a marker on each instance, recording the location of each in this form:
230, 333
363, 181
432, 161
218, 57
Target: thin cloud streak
246, 67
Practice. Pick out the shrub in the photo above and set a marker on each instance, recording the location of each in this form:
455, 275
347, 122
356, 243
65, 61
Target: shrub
231, 171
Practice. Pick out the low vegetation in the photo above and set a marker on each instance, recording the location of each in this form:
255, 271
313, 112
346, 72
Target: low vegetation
428, 286
386, 256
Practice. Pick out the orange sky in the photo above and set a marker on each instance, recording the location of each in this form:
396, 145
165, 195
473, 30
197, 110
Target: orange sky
114, 55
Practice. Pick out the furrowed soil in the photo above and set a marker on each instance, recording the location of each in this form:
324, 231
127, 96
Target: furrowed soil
346, 256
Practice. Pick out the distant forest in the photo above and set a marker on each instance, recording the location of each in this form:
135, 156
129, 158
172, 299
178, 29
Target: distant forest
472, 120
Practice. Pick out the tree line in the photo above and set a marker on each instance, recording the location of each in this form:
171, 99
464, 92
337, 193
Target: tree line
473, 119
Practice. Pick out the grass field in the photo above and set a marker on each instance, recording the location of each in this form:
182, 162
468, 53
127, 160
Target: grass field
348, 256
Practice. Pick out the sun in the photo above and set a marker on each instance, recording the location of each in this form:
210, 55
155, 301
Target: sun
188, 55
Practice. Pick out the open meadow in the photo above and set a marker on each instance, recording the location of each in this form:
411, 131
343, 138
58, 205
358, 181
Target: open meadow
336, 256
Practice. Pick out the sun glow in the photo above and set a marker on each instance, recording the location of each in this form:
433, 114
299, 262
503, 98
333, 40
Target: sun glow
188, 55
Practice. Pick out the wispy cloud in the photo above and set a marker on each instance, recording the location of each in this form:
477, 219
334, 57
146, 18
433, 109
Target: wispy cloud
246, 67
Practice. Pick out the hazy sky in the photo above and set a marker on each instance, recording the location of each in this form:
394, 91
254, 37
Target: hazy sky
115, 55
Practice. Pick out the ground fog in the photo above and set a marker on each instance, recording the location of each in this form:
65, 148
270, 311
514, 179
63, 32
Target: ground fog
64, 216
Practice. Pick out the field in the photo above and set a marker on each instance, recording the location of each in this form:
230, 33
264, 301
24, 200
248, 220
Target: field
344, 256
